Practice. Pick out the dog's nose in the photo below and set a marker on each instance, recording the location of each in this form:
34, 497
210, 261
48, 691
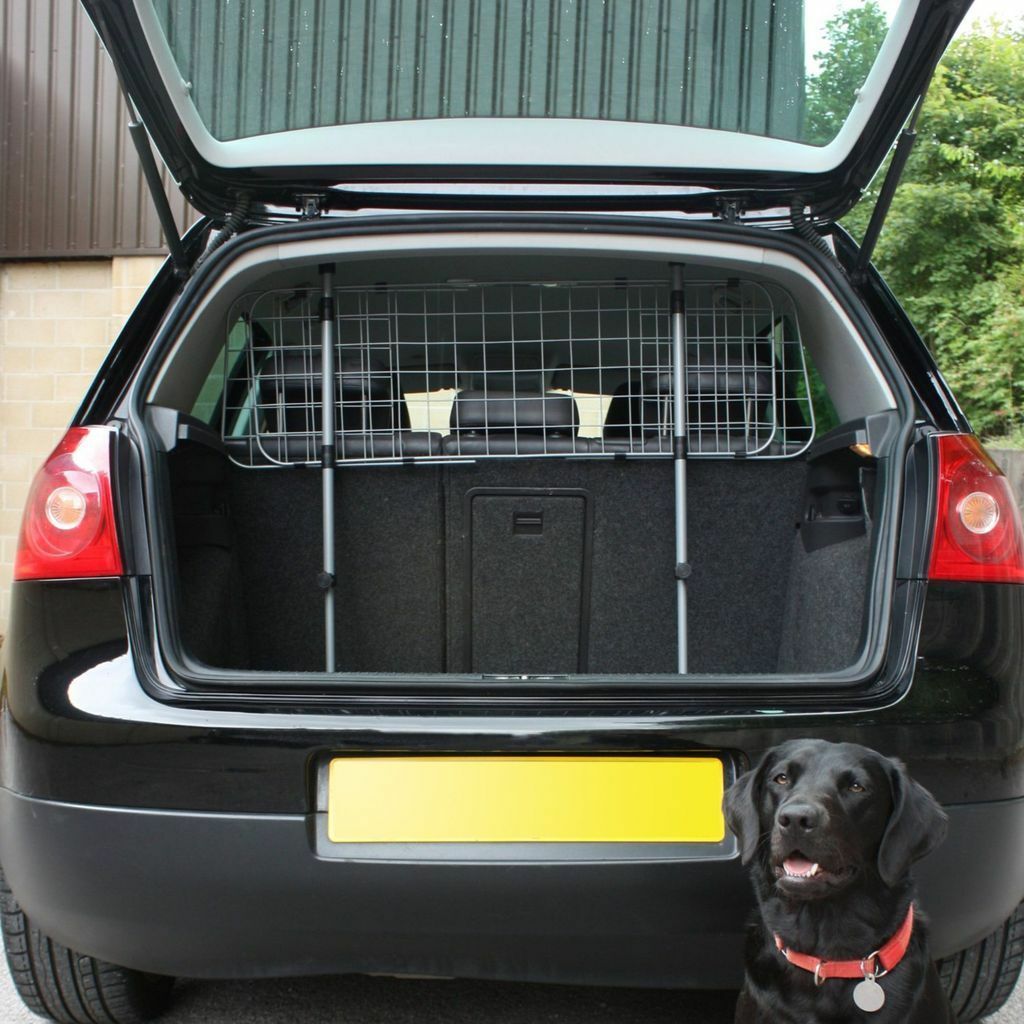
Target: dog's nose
800, 817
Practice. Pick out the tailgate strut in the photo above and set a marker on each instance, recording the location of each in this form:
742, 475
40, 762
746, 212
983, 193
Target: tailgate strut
137, 130
904, 146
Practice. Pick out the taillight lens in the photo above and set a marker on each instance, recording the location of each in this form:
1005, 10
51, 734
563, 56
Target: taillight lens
68, 529
977, 524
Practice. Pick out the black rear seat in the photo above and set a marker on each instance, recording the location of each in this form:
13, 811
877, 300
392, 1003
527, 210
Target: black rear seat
396, 444
725, 394
371, 418
506, 423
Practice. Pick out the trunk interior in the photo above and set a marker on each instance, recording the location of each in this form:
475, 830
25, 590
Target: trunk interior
438, 570
541, 551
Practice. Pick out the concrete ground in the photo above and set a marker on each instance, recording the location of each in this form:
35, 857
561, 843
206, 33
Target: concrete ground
389, 1001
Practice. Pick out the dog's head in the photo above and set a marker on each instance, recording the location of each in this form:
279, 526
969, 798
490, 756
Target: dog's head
821, 816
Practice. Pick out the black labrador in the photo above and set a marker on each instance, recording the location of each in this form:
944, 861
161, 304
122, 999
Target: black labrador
830, 831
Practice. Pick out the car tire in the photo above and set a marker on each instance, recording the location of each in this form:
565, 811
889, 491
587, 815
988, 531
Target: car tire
71, 988
980, 978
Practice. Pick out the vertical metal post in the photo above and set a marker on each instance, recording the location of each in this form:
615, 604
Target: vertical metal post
682, 572
328, 454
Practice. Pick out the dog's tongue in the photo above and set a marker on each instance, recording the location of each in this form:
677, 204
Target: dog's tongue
797, 865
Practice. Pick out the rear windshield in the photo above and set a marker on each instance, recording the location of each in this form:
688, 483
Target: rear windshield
759, 67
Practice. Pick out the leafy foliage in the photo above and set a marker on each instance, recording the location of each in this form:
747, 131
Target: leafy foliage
854, 38
953, 244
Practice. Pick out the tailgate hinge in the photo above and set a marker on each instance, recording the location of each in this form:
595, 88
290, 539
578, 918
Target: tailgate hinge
310, 204
730, 210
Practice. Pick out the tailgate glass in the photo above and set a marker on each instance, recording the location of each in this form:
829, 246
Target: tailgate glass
743, 66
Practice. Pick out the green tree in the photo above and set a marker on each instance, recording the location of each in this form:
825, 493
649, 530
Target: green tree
953, 244
853, 39
973, 128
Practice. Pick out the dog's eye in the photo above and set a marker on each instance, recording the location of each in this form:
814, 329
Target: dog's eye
856, 787
781, 779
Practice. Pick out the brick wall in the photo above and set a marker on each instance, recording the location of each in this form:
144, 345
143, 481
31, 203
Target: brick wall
57, 322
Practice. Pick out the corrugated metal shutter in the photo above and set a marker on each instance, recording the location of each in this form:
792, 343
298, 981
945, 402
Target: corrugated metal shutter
272, 65
70, 182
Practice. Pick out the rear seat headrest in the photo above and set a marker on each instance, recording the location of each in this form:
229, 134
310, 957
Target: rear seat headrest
365, 391
503, 412
727, 378
299, 369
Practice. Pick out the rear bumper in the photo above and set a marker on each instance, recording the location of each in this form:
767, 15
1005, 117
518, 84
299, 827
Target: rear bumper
245, 895
181, 836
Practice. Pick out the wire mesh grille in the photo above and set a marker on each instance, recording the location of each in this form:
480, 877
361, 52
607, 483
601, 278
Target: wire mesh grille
471, 369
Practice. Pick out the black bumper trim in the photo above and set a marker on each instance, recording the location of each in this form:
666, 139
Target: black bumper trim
229, 896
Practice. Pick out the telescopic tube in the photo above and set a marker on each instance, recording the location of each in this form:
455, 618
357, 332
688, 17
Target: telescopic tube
678, 312
328, 454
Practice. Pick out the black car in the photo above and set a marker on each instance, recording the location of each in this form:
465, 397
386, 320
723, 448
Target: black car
515, 450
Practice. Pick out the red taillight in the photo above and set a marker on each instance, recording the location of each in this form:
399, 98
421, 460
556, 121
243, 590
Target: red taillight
977, 524
68, 529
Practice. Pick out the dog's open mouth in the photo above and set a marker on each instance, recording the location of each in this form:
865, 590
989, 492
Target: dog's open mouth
798, 866
798, 872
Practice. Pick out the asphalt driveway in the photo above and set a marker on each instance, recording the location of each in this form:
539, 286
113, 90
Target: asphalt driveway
389, 1001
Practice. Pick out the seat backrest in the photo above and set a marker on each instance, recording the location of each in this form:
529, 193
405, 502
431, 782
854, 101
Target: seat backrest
366, 397
504, 412
503, 422
633, 415
728, 397
371, 418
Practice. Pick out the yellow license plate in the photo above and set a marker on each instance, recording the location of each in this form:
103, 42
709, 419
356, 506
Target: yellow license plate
525, 800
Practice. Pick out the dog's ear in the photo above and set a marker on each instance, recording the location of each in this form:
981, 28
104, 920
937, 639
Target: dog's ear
916, 825
742, 806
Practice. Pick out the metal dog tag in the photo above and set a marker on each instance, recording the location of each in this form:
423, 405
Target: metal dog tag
869, 995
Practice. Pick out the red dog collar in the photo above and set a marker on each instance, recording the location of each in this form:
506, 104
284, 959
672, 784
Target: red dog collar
888, 957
